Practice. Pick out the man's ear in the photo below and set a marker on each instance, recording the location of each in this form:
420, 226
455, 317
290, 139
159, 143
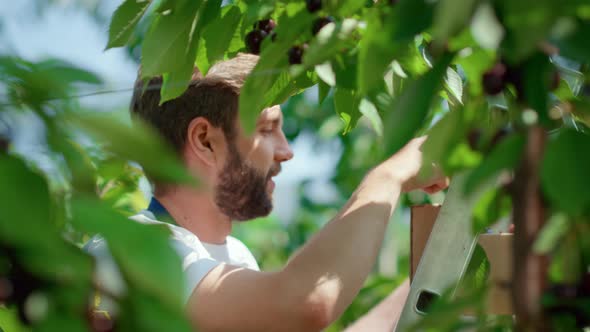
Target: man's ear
203, 140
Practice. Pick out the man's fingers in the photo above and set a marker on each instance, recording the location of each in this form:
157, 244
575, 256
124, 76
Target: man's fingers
438, 186
446, 181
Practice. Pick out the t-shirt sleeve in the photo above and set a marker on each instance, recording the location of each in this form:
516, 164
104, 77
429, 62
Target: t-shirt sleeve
196, 264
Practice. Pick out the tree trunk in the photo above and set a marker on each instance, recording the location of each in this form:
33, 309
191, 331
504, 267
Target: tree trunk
530, 270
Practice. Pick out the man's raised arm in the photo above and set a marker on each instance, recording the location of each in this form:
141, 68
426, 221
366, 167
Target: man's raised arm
324, 276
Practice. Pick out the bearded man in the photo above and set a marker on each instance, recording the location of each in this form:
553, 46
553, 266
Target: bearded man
225, 290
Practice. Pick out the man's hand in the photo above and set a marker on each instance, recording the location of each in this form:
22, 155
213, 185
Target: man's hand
406, 166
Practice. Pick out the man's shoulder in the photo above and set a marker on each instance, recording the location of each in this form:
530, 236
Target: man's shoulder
242, 253
180, 236
235, 243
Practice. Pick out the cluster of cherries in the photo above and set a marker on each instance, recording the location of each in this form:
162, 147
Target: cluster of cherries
475, 138
495, 79
265, 28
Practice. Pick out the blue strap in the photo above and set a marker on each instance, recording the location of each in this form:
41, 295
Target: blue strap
160, 211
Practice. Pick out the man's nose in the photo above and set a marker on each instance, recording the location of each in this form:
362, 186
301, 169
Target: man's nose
283, 150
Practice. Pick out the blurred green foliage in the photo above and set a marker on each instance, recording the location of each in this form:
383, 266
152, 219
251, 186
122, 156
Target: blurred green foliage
383, 72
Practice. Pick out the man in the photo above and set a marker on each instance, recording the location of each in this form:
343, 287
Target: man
225, 290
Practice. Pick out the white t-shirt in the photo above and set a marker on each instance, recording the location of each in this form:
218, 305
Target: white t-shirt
198, 258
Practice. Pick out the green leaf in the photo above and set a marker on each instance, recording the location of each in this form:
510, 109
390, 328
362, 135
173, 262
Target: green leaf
39, 246
328, 42
461, 157
370, 111
537, 77
155, 316
412, 17
270, 67
66, 72
474, 65
140, 143
257, 10
450, 17
564, 173
487, 31
345, 68
326, 73
552, 233
170, 5
209, 13
442, 137
410, 109
64, 321
217, 36
575, 45
143, 252
581, 109
565, 266
454, 85
25, 198
344, 8
388, 36
170, 42
492, 206
27, 82
177, 80
286, 86
323, 91
477, 272
124, 20
346, 104
83, 172
375, 52
10, 321
527, 23
505, 155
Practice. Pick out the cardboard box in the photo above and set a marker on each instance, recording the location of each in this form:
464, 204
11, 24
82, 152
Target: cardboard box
498, 248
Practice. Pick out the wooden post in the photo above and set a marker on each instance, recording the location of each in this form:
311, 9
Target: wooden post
530, 270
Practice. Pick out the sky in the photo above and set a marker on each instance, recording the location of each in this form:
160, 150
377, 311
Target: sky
66, 31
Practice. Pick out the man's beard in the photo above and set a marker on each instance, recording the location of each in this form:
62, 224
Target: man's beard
241, 193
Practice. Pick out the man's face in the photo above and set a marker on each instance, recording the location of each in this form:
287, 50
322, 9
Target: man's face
245, 186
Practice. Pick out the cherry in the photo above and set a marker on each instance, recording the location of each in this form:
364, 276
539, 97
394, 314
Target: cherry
313, 5
6, 289
499, 136
99, 322
267, 25
4, 144
254, 40
555, 78
494, 80
473, 138
319, 23
514, 76
296, 54
584, 285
